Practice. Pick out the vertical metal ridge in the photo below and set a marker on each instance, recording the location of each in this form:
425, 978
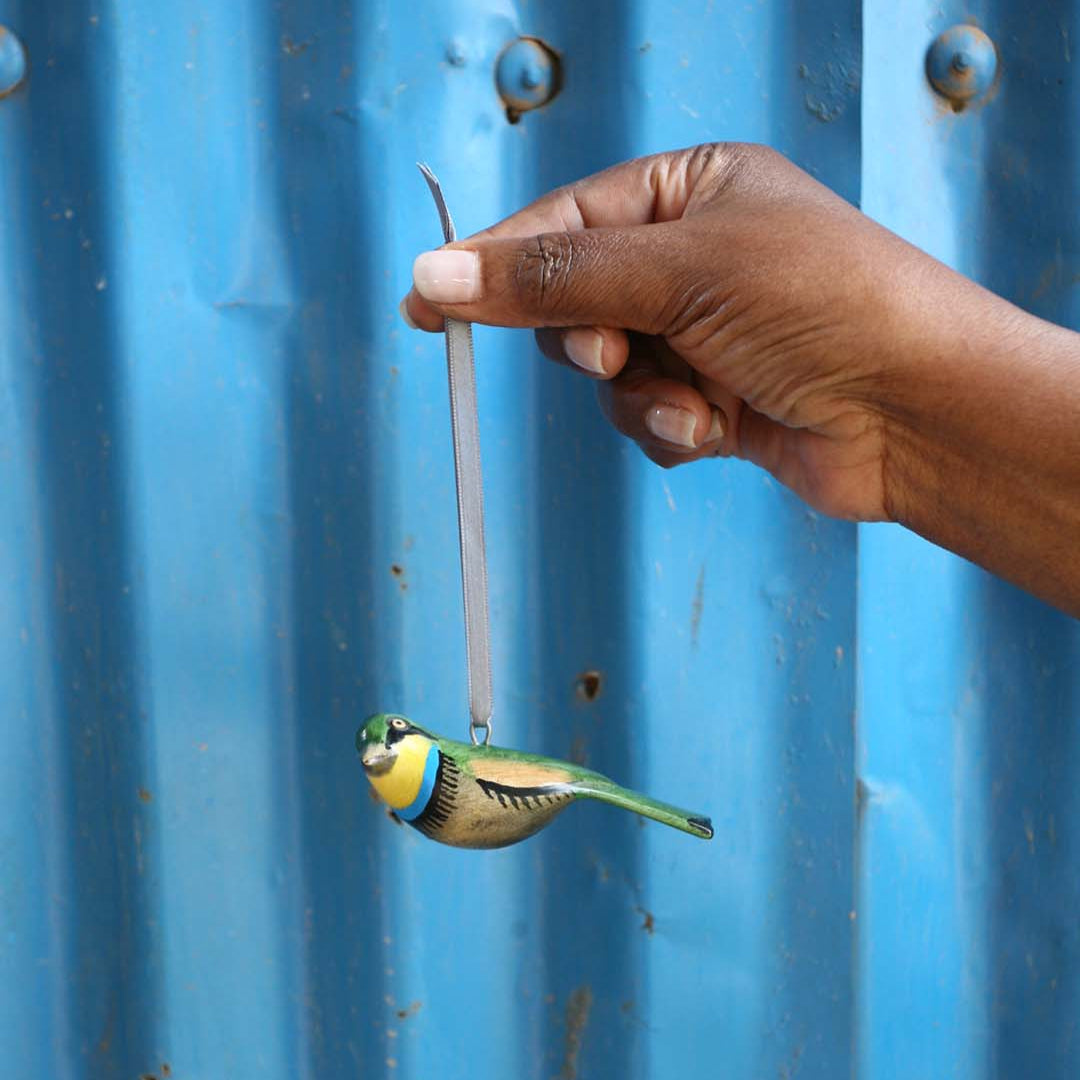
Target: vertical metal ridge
586, 616
98, 935
967, 684
351, 572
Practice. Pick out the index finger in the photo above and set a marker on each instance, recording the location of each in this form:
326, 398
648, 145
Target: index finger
637, 192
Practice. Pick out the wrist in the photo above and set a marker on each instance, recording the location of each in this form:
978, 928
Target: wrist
982, 442
944, 399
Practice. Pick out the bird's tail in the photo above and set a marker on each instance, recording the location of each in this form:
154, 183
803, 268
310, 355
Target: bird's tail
606, 791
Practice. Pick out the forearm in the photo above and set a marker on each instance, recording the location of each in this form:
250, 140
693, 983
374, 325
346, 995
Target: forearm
983, 446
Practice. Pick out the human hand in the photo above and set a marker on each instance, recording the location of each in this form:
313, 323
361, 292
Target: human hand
729, 303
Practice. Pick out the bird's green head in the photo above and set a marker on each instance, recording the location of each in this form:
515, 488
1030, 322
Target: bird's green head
379, 740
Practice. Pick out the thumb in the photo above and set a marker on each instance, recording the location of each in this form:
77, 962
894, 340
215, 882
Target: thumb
627, 277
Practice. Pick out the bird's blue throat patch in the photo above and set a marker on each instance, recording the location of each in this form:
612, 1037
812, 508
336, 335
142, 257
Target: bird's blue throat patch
427, 786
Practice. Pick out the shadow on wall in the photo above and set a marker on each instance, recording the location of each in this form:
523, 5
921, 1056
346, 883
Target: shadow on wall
1030, 655
98, 732
334, 460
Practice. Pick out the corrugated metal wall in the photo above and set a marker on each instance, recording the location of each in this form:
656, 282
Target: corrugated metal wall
227, 533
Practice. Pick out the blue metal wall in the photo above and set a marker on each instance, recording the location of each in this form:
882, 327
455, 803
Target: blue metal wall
227, 533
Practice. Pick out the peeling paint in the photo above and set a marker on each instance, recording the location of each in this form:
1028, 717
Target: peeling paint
578, 1007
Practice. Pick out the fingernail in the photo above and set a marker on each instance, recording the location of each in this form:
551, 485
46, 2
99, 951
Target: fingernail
447, 277
672, 424
406, 318
716, 426
585, 348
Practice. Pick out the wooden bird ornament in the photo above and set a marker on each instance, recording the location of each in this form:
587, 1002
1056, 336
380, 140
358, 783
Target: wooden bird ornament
485, 797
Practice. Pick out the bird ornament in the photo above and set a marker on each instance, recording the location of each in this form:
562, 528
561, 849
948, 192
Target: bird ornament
481, 796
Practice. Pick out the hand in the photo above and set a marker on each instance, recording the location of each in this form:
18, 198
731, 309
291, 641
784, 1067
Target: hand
729, 304
758, 305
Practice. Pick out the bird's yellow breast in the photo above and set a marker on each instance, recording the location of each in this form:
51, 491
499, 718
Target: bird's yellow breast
400, 784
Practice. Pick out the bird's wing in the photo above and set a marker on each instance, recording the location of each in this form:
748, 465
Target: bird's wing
518, 774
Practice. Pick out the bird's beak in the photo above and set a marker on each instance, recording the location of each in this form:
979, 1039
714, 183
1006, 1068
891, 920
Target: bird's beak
376, 757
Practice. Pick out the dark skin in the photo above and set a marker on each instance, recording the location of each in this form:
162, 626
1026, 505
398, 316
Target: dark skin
729, 305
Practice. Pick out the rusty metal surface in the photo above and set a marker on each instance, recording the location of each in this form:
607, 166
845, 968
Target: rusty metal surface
227, 534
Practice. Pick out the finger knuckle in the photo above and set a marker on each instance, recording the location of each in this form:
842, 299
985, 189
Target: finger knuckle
695, 311
707, 157
716, 165
720, 168
545, 268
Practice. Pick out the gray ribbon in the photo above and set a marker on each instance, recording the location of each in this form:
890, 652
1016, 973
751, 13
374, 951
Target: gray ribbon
470, 500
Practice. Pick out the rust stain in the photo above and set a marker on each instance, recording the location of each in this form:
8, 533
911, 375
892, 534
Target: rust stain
697, 608
629, 1010
342, 112
1051, 277
589, 684
790, 1069
294, 48
412, 1010
138, 846
862, 798
399, 572
579, 750
578, 1007
648, 923
144, 794
166, 1070
105, 1042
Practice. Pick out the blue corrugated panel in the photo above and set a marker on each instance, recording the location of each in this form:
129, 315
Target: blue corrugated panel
969, 864
227, 534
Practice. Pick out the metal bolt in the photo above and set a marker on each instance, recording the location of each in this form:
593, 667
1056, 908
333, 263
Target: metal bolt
531, 77
527, 75
962, 64
12, 62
